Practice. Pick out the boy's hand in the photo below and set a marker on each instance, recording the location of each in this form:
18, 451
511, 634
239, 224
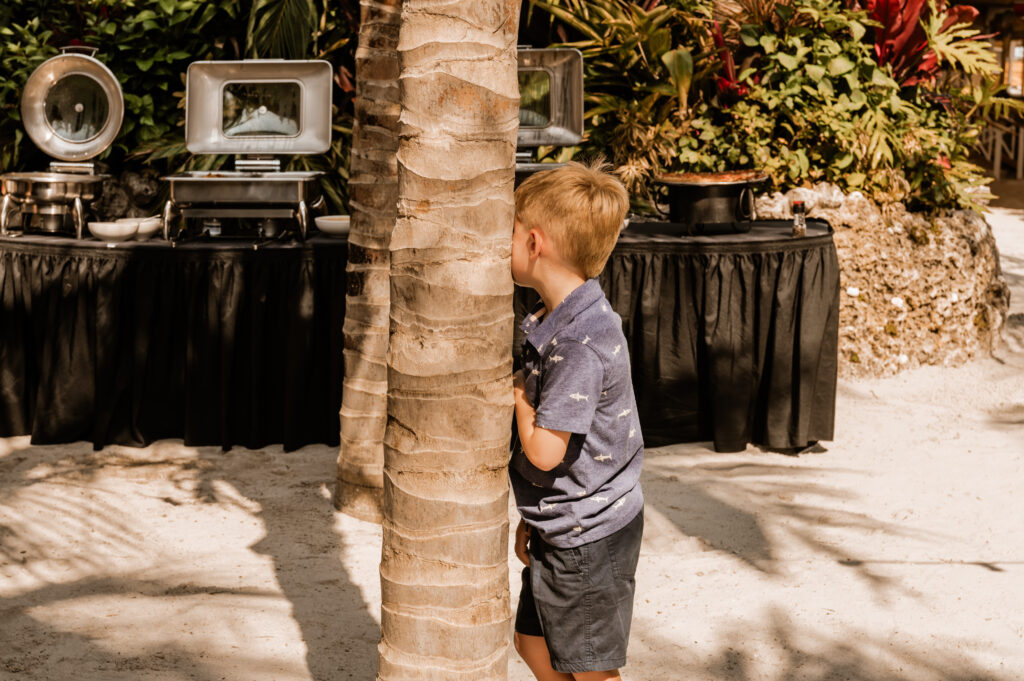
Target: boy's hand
523, 542
518, 380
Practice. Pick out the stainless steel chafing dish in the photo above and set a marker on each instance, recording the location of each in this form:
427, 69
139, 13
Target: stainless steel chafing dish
72, 108
550, 103
254, 109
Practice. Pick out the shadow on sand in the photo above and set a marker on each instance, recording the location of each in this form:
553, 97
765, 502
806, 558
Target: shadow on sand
77, 568
781, 650
745, 509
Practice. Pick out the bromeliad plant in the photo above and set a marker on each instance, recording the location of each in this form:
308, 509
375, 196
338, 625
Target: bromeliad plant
818, 107
912, 36
807, 90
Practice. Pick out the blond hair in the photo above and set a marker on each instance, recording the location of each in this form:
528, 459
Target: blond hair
579, 207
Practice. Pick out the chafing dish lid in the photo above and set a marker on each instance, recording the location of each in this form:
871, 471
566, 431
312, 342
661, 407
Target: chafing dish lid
550, 96
72, 107
259, 106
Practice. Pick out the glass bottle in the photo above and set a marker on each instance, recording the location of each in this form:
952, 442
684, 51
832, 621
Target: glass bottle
799, 219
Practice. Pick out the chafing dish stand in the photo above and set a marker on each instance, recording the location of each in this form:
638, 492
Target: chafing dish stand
254, 109
72, 107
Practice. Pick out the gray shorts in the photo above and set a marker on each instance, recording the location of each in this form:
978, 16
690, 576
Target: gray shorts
581, 599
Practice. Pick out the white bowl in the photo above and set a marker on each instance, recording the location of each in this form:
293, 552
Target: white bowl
148, 227
333, 225
114, 231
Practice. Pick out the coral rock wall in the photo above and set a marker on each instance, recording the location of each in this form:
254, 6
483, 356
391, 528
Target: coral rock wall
914, 289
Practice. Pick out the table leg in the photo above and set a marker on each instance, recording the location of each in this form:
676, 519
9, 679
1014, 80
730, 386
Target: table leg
1019, 138
5, 211
168, 211
78, 213
997, 155
303, 219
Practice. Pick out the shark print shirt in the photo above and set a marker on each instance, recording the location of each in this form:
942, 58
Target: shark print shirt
577, 374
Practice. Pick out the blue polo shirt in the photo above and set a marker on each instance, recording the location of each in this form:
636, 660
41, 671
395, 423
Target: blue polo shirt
576, 368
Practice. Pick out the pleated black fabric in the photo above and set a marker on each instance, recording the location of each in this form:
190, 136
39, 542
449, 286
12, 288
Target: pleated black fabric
733, 338
218, 344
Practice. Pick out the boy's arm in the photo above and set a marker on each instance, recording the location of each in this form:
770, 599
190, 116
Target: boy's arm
544, 448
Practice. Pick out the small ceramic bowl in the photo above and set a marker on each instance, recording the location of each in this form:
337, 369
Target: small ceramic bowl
148, 227
114, 231
333, 225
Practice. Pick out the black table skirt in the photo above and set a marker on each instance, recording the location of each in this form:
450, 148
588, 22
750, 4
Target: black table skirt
733, 338
218, 344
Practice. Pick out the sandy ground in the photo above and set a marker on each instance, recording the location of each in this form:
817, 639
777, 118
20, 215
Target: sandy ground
895, 554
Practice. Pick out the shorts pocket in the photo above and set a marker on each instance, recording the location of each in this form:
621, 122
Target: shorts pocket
561, 596
563, 576
624, 548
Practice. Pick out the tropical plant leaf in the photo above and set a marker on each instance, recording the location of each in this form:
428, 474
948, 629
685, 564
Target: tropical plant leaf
956, 43
837, 66
679, 63
281, 29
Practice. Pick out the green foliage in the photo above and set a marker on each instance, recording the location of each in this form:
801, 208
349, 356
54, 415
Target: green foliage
640, 66
679, 63
817, 108
148, 45
957, 44
809, 102
281, 29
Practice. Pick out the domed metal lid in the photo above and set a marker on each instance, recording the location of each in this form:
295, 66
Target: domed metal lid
72, 106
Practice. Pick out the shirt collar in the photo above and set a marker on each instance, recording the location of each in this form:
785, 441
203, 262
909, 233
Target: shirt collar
539, 332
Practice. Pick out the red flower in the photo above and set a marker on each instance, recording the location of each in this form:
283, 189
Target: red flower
727, 82
901, 42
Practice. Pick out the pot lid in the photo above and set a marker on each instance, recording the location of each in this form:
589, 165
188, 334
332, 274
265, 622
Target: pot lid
258, 106
72, 106
712, 178
53, 178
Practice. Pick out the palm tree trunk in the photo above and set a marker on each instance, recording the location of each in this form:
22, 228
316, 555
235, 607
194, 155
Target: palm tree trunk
444, 570
374, 191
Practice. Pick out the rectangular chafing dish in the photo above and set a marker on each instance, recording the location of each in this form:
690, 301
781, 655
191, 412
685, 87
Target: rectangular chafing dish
242, 186
253, 109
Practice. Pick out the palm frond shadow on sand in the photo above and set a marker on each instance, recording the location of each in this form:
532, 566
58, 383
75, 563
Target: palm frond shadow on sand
780, 649
78, 567
746, 509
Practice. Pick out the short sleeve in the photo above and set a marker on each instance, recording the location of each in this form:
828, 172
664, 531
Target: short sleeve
570, 388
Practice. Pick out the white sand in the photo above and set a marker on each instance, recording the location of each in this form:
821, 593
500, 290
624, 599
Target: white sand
895, 555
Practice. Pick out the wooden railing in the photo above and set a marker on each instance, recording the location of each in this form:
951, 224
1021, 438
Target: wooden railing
1002, 139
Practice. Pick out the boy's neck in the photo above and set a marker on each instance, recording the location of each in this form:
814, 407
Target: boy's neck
557, 288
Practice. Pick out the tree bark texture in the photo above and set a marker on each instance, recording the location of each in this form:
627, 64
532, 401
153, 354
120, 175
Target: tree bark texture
444, 571
374, 190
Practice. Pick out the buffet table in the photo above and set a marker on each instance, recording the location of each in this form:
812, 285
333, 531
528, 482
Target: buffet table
733, 338
217, 343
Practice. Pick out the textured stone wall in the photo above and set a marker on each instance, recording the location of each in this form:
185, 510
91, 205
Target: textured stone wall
915, 289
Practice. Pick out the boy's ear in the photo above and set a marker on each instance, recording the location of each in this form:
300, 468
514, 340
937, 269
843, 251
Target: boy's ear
535, 242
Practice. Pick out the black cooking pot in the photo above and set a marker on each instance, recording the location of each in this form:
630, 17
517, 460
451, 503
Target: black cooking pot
705, 203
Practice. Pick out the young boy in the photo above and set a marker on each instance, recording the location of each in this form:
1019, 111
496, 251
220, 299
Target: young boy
575, 471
